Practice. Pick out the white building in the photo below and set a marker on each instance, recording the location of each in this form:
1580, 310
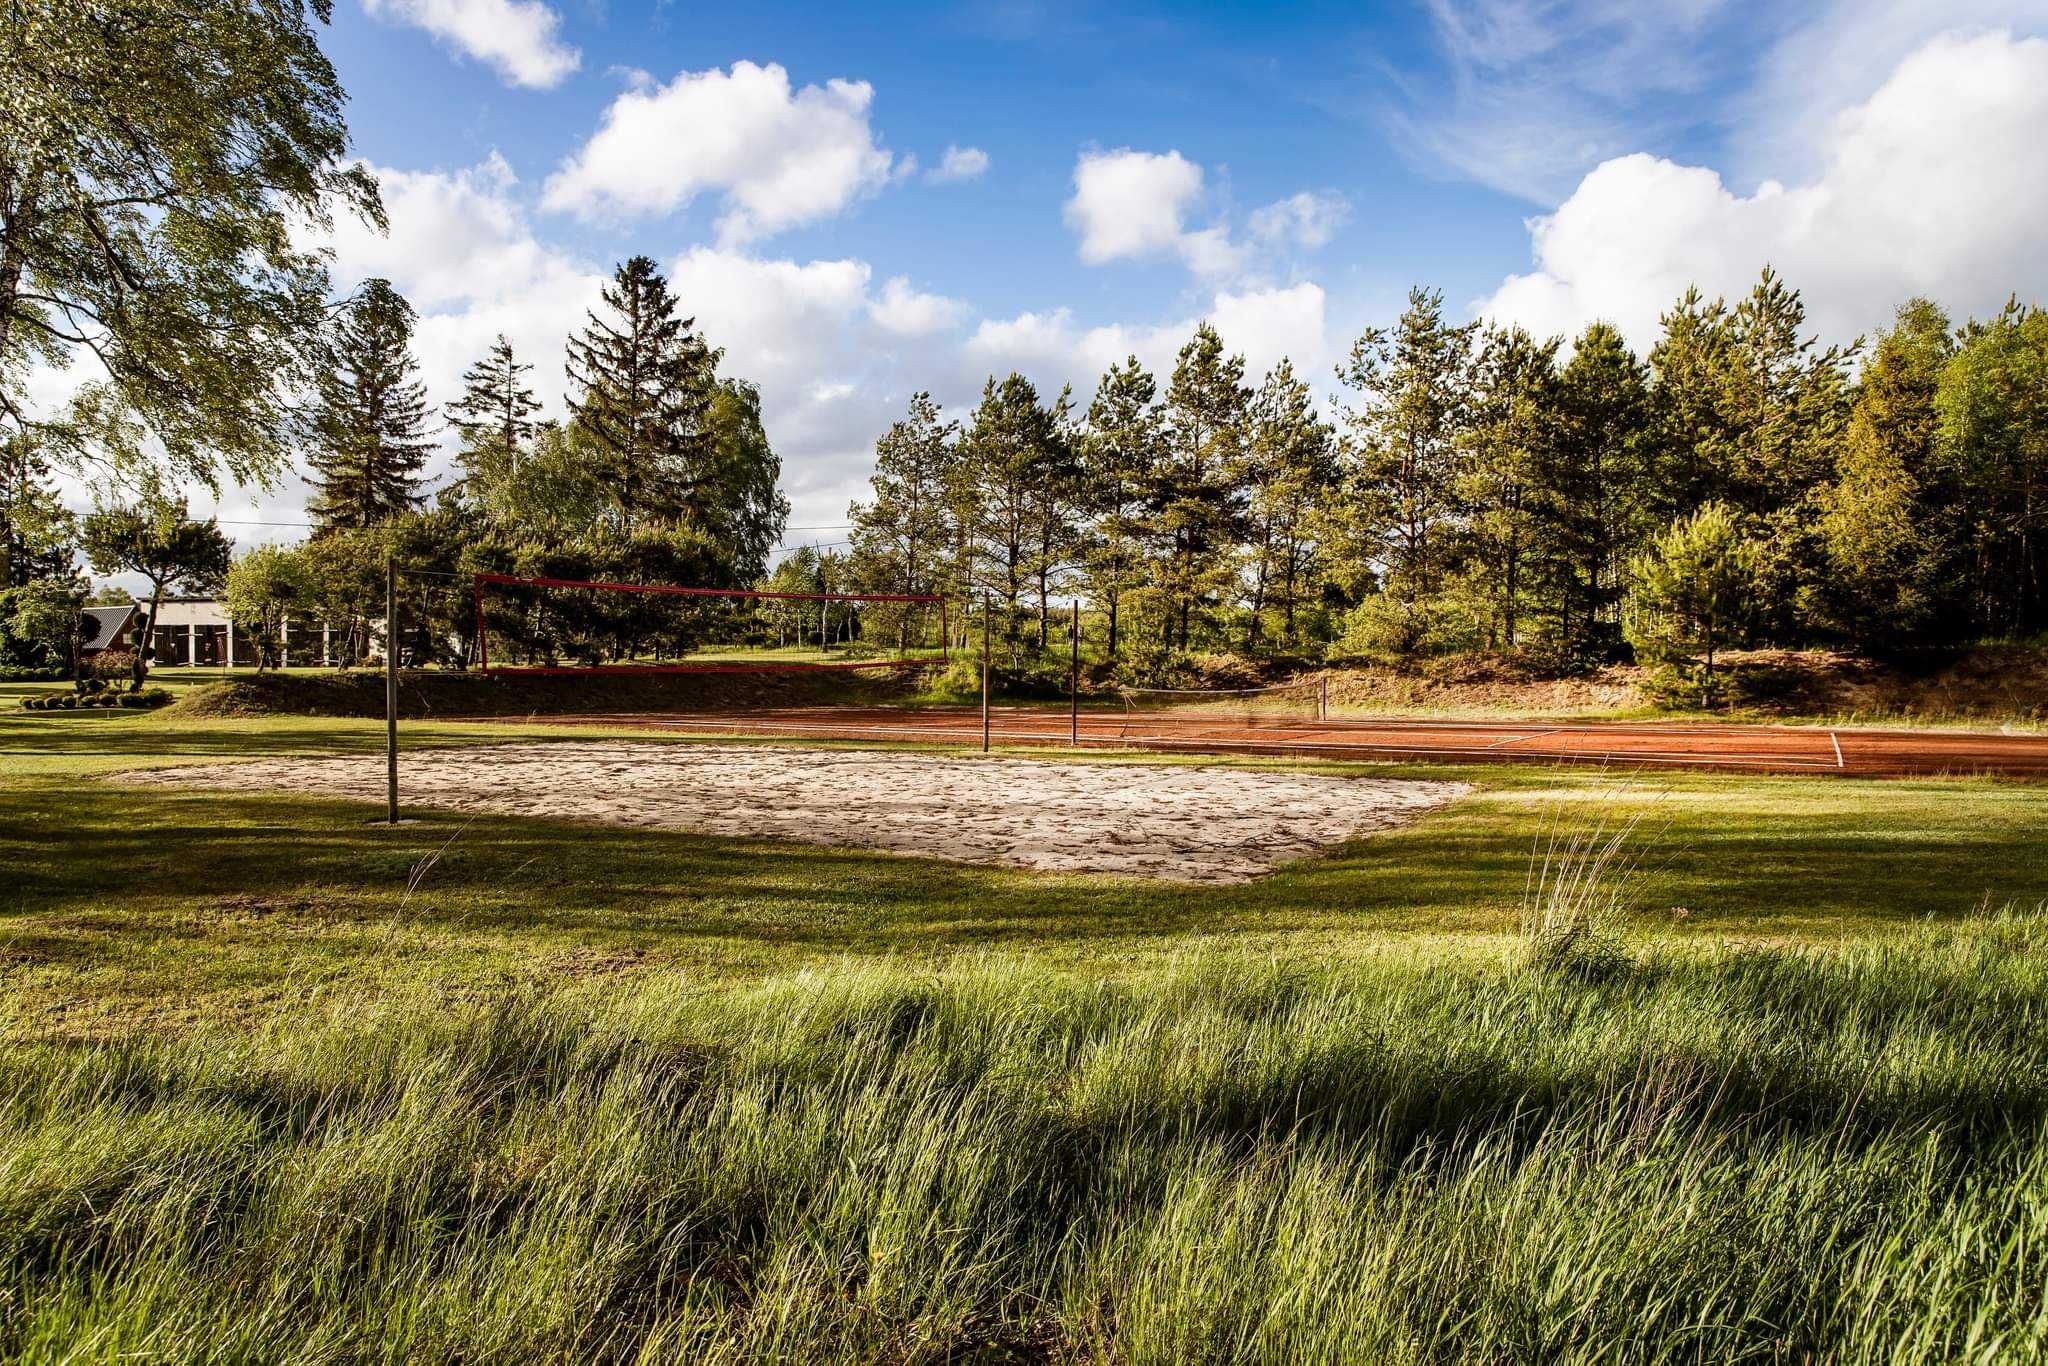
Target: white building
198, 631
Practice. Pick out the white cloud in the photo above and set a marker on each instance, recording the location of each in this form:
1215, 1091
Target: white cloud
1309, 219
1924, 188
779, 156
1825, 65
959, 163
1262, 324
515, 37
1129, 205
908, 312
836, 360
463, 252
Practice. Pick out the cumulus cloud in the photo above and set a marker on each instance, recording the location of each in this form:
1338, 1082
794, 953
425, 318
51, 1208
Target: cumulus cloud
517, 38
908, 312
463, 252
1262, 324
779, 156
1921, 190
1130, 205
1308, 219
1823, 66
959, 163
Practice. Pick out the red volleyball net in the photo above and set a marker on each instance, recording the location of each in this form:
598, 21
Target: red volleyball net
575, 626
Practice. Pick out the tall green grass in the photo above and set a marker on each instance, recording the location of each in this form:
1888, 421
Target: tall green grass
1738, 1156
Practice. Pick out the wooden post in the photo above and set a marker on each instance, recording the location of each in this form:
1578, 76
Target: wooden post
1323, 698
391, 689
1074, 680
988, 610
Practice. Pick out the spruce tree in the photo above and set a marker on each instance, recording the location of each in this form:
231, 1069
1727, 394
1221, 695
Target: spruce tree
36, 530
495, 416
369, 416
642, 382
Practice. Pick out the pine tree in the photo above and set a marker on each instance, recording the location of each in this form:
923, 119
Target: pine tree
1787, 395
1993, 405
495, 416
1892, 519
1691, 594
1119, 451
901, 534
369, 416
1197, 504
1593, 480
1513, 421
643, 380
1004, 452
1054, 509
1289, 467
1693, 430
1788, 399
1413, 386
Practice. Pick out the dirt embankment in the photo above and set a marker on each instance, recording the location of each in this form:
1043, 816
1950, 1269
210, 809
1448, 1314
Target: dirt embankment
427, 695
1993, 683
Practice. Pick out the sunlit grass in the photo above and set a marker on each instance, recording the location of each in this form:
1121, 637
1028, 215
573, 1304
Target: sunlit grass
1768, 1155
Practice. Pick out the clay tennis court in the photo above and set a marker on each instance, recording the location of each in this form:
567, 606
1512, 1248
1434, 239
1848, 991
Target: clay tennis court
1821, 752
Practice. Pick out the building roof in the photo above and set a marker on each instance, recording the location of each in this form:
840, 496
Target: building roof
102, 626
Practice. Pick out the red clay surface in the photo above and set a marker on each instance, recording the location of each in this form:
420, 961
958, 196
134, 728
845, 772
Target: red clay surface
1764, 749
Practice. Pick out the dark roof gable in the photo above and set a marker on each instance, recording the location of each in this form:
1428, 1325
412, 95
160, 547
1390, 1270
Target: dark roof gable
102, 626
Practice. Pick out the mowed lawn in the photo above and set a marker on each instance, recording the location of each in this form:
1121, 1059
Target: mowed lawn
278, 1082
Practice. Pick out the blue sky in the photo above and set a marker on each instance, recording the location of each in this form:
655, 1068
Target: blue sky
1119, 172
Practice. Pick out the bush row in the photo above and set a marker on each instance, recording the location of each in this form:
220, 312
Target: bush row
146, 700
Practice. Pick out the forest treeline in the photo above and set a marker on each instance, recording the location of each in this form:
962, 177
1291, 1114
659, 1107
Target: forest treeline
1479, 488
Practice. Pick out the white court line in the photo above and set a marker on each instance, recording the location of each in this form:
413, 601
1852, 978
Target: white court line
1526, 735
1836, 741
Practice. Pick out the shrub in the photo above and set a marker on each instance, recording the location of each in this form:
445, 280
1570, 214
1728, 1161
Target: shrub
30, 673
112, 666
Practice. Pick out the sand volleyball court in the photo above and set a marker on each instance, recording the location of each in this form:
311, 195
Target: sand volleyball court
1182, 823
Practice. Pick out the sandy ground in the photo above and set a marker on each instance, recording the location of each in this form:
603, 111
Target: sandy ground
1179, 823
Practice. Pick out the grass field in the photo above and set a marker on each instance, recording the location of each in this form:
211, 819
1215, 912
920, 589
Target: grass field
279, 1083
